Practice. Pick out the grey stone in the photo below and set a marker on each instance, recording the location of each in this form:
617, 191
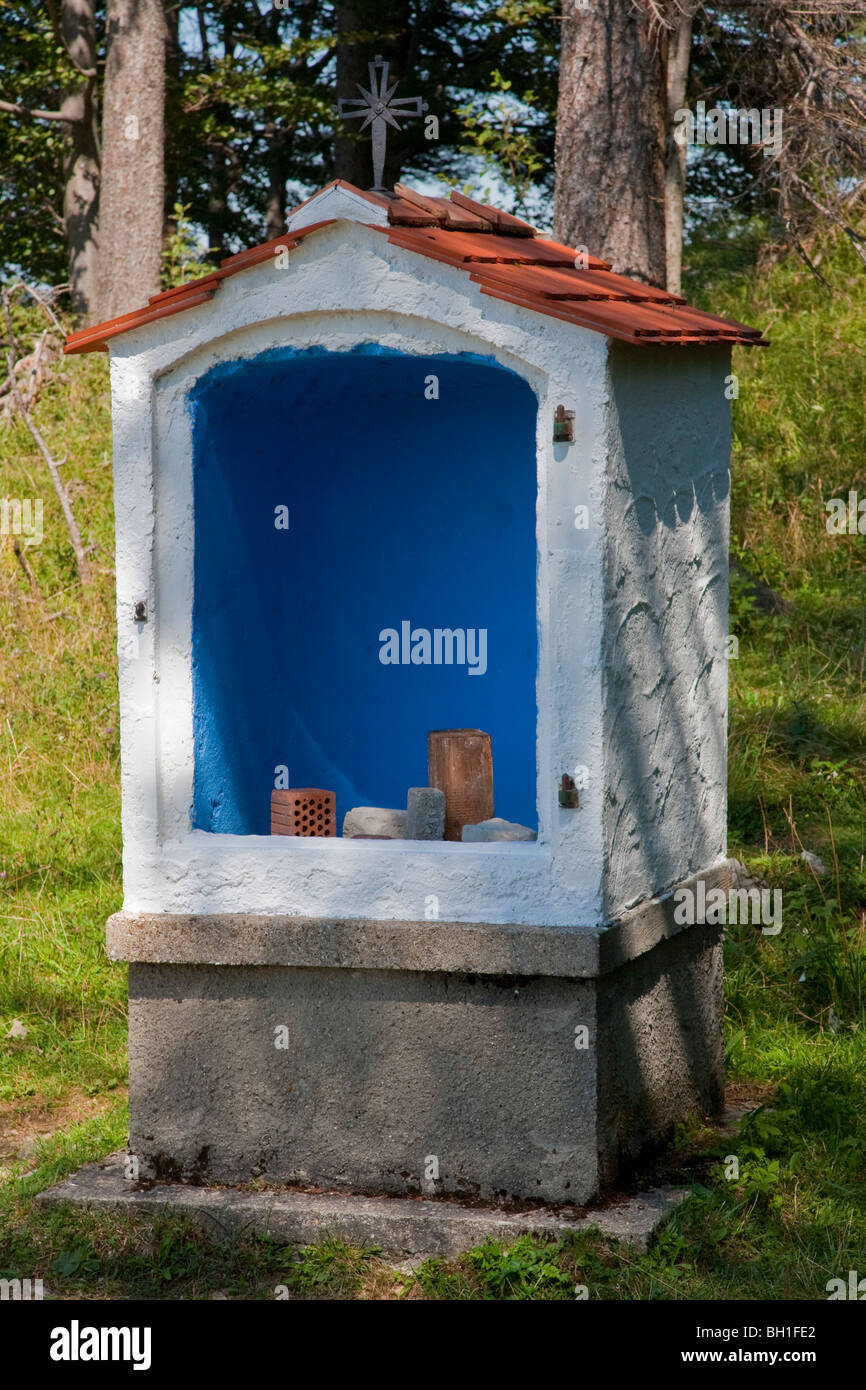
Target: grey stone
815, 862
399, 1226
425, 813
376, 821
490, 831
479, 948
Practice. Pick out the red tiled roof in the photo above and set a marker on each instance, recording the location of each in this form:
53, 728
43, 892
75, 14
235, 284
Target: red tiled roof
502, 254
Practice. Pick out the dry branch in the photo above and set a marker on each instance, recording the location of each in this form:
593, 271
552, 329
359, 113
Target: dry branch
23, 405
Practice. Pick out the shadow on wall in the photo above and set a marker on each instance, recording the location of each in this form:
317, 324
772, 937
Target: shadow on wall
666, 597
408, 495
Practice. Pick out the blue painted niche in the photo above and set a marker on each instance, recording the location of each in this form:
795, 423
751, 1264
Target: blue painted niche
400, 508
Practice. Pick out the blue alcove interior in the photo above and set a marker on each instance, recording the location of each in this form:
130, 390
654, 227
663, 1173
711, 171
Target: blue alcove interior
400, 508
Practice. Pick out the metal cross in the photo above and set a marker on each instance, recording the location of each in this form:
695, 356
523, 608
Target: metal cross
380, 108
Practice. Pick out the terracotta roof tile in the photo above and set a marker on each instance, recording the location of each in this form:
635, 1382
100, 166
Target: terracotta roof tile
502, 254
180, 297
502, 221
442, 211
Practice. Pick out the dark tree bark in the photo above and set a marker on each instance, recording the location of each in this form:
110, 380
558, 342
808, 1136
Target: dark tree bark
275, 205
366, 28
172, 111
610, 138
132, 196
352, 153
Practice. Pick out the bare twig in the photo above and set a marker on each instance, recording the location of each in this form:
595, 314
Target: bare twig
33, 383
60, 489
21, 557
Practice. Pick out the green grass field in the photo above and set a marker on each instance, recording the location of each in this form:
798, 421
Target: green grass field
795, 1215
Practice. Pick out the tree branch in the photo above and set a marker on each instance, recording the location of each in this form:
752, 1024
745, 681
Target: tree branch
17, 110
81, 561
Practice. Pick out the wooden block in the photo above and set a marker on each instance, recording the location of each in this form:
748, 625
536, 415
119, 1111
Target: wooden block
460, 763
303, 811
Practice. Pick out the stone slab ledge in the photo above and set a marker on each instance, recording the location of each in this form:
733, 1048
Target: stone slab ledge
400, 1226
452, 947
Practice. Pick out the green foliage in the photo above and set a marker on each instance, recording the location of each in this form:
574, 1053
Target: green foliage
34, 73
250, 110
181, 257
524, 1270
797, 741
498, 131
59, 757
332, 1269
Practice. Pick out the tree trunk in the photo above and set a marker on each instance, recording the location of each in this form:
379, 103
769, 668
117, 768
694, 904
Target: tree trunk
173, 117
675, 153
351, 149
390, 35
275, 204
610, 137
81, 160
131, 201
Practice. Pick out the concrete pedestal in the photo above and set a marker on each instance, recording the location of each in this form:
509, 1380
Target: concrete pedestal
417, 1057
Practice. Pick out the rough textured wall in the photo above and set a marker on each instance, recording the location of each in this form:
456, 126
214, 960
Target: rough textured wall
378, 1073
666, 518
660, 1046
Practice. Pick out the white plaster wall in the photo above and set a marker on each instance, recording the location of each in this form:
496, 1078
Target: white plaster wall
346, 285
666, 517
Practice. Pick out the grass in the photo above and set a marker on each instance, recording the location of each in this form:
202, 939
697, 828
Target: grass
59, 822
791, 1213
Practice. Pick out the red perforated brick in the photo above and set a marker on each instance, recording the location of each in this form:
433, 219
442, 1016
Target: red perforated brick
303, 811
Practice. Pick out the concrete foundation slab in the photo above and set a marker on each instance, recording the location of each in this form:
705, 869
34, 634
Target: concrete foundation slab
473, 1061
399, 1226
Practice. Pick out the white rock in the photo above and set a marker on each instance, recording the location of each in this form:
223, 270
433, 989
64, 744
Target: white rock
374, 820
815, 862
488, 831
741, 878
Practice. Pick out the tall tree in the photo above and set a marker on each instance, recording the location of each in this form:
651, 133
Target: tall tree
629, 66
133, 173
610, 136
74, 81
359, 40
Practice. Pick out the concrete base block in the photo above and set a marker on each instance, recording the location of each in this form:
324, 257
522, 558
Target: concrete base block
504, 1087
399, 1226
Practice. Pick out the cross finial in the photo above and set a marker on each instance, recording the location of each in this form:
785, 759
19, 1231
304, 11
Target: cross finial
380, 108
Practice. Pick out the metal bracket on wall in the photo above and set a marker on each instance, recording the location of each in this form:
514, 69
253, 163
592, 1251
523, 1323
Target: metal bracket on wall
568, 796
563, 425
